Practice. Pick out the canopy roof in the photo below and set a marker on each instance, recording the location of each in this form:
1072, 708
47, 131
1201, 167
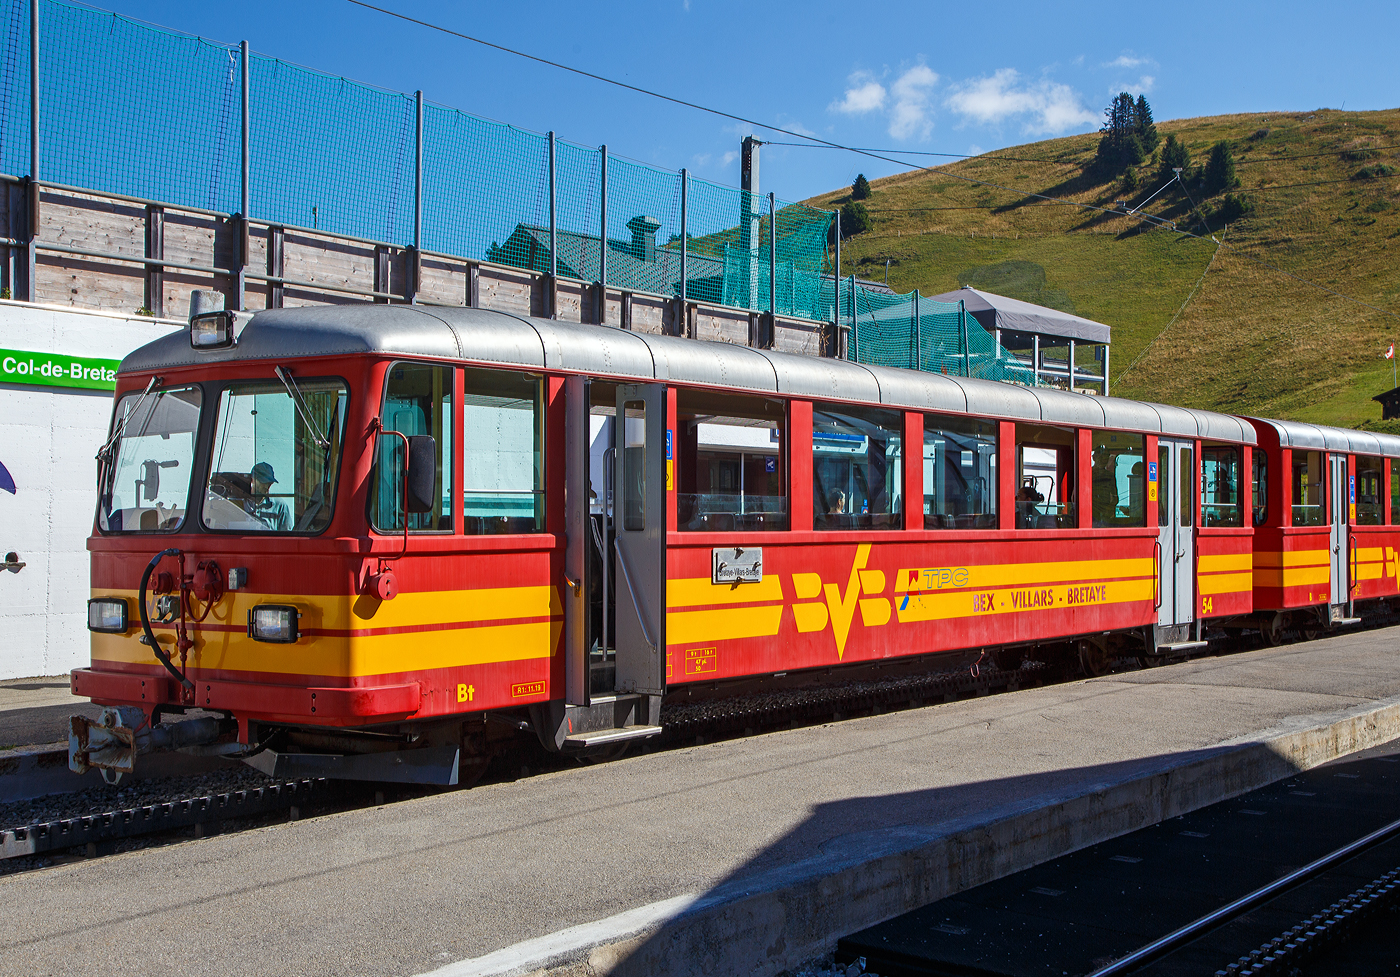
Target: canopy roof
1000, 312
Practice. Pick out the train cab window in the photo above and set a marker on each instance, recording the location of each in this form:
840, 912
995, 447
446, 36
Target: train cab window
857, 473
1370, 509
1259, 487
1308, 474
1120, 479
1046, 496
960, 473
730, 470
1220, 486
503, 453
276, 455
144, 473
417, 400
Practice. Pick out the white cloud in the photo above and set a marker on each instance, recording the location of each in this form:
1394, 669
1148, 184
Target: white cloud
1046, 106
863, 94
728, 158
1127, 61
1078, 62
1142, 86
911, 90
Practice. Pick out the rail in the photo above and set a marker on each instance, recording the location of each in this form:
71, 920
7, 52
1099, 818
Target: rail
1191, 931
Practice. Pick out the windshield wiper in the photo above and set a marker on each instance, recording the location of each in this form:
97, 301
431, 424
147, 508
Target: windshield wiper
104, 453
294, 392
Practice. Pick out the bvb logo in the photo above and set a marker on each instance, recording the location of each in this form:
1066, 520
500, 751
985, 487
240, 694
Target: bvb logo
840, 608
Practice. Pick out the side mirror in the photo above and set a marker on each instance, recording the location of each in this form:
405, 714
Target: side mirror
422, 474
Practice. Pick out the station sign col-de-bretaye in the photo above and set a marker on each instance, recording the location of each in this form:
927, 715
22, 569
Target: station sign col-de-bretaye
57, 370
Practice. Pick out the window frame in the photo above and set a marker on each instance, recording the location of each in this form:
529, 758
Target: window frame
1207, 447
783, 422
1094, 435
207, 467
1379, 504
540, 493
937, 422
1071, 509
198, 457
861, 522
449, 465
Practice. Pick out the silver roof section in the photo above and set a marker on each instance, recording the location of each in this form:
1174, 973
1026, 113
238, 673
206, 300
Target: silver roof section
498, 338
1298, 434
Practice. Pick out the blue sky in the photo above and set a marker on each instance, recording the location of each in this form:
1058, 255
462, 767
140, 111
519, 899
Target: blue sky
930, 77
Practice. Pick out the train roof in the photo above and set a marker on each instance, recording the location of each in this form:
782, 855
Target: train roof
499, 338
1297, 434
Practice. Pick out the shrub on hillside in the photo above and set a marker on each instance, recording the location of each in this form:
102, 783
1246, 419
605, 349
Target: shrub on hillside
860, 190
855, 219
1374, 172
1235, 206
1130, 179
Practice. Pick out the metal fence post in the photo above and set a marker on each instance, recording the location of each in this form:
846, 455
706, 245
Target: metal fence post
685, 231
416, 273
31, 257
855, 321
553, 235
244, 173
836, 290
966, 338
603, 238
918, 335
773, 258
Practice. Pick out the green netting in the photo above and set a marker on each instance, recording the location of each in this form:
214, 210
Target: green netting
330, 153
916, 333
123, 103
471, 168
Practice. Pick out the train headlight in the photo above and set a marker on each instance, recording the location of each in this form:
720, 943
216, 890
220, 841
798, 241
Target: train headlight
276, 623
107, 614
212, 330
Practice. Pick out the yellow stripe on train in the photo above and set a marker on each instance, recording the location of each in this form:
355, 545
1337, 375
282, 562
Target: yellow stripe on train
940, 607
1018, 574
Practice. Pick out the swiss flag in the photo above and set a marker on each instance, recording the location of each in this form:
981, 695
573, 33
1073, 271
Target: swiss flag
1390, 353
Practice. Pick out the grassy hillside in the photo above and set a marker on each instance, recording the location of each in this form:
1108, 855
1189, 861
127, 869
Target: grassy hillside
1246, 337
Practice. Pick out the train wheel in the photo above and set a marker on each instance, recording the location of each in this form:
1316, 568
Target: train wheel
607, 754
1272, 635
1093, 660
1311, 634
1151, 661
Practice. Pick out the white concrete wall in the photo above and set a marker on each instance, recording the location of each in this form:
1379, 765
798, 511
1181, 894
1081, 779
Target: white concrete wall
48, 437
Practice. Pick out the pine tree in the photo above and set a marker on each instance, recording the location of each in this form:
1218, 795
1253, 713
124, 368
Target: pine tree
1142, 120
855, 219
1120, 146
1174, 156
860, 190
1219, 174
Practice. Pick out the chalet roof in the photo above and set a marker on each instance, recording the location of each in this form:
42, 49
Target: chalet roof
999, 312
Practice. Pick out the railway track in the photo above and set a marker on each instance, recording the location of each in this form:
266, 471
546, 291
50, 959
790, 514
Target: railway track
176, 813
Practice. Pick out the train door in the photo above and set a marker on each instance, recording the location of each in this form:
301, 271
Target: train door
640, 544
1176, 539
1337, 507
579, 567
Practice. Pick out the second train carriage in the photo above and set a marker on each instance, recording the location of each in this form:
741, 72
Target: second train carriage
1327, 524
379, 528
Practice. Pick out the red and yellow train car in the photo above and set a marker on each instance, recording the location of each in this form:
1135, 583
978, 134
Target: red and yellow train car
356, 537
1327, 524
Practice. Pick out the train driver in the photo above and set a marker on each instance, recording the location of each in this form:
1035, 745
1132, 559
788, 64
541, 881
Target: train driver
271, 511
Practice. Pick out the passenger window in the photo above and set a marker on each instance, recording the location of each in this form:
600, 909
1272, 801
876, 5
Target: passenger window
1046, 496
960, 473
730, 463
417, 400
1369, 504
1260, 487
857, 474
1185, 469
502, 453
1120, 479
1394, 492
1308, 472
1220, 486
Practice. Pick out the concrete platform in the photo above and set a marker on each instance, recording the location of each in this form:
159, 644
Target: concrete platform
744, 857
35, 711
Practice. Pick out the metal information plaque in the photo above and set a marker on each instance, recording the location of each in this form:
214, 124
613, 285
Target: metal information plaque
737, 564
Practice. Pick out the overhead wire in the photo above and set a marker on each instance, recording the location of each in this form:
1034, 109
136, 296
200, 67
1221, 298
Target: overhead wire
817, 140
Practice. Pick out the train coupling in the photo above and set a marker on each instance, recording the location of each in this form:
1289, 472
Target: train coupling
112, 742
